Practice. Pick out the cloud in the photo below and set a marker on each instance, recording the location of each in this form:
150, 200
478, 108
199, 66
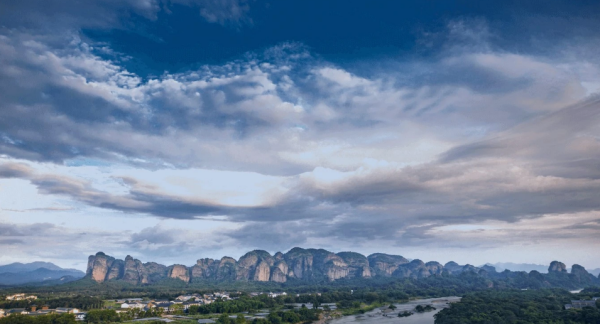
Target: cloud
287, 148
112, 14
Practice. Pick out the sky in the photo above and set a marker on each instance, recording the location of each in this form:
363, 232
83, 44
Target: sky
173, 130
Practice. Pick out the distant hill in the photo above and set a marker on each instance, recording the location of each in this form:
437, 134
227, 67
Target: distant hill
501, 266
24, 267
36, 272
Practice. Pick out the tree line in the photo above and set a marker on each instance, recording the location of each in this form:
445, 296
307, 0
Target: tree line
544, 306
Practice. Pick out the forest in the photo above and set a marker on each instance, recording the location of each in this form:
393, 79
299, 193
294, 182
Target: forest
543, 306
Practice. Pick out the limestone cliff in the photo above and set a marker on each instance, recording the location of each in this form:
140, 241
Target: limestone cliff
314, 265
226, 270
255, 265
385, 264
557, 267
116, 270
358, 265
99, 266
133, 270
414, 269
581, 275
300, 262
204, 269
279, 271
180, 272
434, 268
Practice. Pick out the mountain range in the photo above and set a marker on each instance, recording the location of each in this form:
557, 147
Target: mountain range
36, 273
310, 265
501, 266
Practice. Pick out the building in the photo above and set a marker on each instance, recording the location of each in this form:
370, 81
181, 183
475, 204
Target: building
43, 312
273, 295
131, 305
164, 306
20, 297
579, 304
67, 310
22, 311
187, 305
80, 316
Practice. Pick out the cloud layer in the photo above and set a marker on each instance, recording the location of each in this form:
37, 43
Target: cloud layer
475, 148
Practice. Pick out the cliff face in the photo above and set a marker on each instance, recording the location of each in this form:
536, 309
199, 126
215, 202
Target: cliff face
99, 266
103, 268
297, 264
581, 275
557, 267
180, 272
255, 265
385, 264
358, 264
204, 269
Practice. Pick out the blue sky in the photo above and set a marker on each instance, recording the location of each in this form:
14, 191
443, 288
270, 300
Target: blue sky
178, 129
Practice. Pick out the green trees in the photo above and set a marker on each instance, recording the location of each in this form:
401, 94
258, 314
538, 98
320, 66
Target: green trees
273, 318
243, 304
176, 309
140, 313
240, 319
42, 319
224, 319
102, 315
516, 306
426, 308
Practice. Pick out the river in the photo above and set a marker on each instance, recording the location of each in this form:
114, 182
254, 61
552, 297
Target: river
385, 315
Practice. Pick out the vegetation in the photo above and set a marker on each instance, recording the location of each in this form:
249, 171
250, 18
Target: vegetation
516, 306
442, 285
404, 314
42, 319
80, 302
140, 313
301, 315
244, 304
422, 309
102, 316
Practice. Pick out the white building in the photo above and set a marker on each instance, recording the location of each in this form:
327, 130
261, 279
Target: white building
20, 297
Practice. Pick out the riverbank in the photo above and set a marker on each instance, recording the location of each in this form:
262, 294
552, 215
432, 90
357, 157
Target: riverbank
383, 314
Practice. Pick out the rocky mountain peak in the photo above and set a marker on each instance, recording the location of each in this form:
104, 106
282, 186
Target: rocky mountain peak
298, 264
557, 267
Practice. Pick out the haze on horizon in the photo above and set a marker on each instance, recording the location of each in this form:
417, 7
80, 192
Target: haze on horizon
172, 130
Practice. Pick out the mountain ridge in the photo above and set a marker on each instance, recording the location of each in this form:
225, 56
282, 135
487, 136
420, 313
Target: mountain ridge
20, 273
501, 266
308, 265
24, 267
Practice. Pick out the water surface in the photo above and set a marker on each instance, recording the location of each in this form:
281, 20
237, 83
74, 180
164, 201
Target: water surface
385, 315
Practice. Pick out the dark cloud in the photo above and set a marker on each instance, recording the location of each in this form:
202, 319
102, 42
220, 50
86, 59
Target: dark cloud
11, 242
24, 230
154, 235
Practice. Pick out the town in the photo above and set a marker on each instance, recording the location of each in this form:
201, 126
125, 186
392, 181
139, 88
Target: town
158, 309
